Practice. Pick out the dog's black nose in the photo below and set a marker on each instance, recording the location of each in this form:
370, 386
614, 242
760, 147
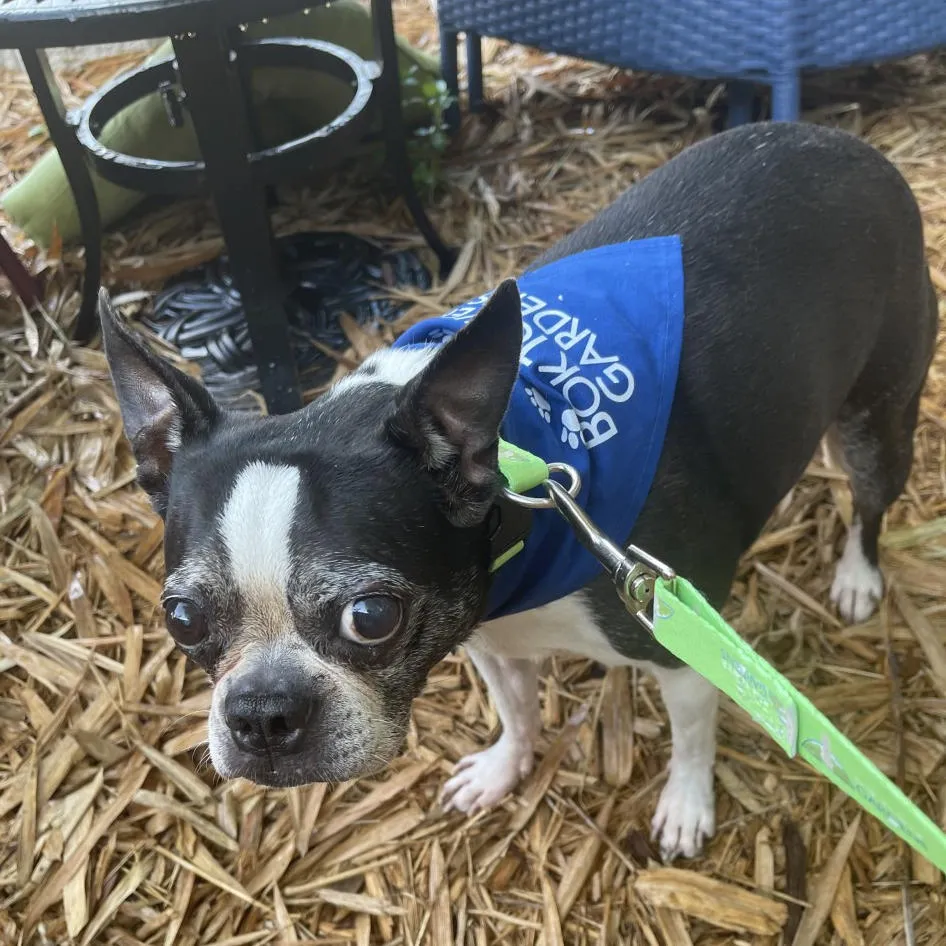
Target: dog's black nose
267, 721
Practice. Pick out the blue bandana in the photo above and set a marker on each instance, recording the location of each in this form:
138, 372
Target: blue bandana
602, 332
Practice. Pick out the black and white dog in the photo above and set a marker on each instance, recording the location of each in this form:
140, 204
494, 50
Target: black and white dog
319, 564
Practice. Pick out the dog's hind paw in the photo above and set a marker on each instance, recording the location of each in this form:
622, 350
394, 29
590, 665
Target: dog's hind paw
484, 779
686, 815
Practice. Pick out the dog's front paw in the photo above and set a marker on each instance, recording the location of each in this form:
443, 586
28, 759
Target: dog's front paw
686, 814
484, 779
857, 589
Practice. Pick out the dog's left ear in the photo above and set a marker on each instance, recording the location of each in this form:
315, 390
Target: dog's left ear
161, 407
451, 412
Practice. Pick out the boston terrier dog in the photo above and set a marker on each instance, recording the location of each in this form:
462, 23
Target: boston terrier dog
686, 351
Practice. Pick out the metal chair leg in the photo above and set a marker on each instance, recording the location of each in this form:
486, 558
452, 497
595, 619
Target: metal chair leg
75, 165
388, 88
474, 71
740, 97
786, 98
216, 104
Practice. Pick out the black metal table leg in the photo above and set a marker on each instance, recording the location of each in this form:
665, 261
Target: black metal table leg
216, 105
395, 138
245, 71
450, 70
75, 164
22, 280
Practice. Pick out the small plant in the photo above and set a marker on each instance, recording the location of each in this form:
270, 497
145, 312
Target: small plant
428, 142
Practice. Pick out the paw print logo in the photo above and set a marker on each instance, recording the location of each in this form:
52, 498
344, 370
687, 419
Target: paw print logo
540, 404
571, 429
438, 335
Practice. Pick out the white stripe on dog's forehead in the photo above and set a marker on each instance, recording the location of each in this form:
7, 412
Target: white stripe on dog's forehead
255, 524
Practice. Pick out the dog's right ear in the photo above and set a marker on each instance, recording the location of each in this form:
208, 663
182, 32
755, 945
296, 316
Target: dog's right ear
452, 411
161, 407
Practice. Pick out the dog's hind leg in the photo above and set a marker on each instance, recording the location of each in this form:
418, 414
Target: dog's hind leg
874, 432
876, 451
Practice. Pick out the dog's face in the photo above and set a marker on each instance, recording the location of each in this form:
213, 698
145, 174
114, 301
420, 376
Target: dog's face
319, 564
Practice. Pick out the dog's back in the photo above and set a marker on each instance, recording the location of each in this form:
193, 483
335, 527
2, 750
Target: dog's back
808, 304
794, 236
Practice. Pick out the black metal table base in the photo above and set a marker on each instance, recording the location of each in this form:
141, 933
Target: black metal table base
209, 65
62, 131
215, 101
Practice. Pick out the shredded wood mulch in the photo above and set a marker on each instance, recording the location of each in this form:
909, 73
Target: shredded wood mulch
115, 830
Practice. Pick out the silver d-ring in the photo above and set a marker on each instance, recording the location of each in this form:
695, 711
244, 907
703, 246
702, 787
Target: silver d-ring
547, 502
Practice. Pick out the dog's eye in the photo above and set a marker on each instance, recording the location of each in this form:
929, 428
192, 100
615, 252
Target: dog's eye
185, 621
372, 619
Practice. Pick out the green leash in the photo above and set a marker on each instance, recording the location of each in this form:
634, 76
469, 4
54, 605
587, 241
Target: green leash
689, 628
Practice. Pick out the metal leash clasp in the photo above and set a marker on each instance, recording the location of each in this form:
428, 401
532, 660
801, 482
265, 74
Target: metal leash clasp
633, 572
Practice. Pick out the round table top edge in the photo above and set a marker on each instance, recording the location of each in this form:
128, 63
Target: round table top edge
59, 23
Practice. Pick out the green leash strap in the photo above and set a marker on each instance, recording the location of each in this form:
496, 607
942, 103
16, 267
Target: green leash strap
690, 629
694, 632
